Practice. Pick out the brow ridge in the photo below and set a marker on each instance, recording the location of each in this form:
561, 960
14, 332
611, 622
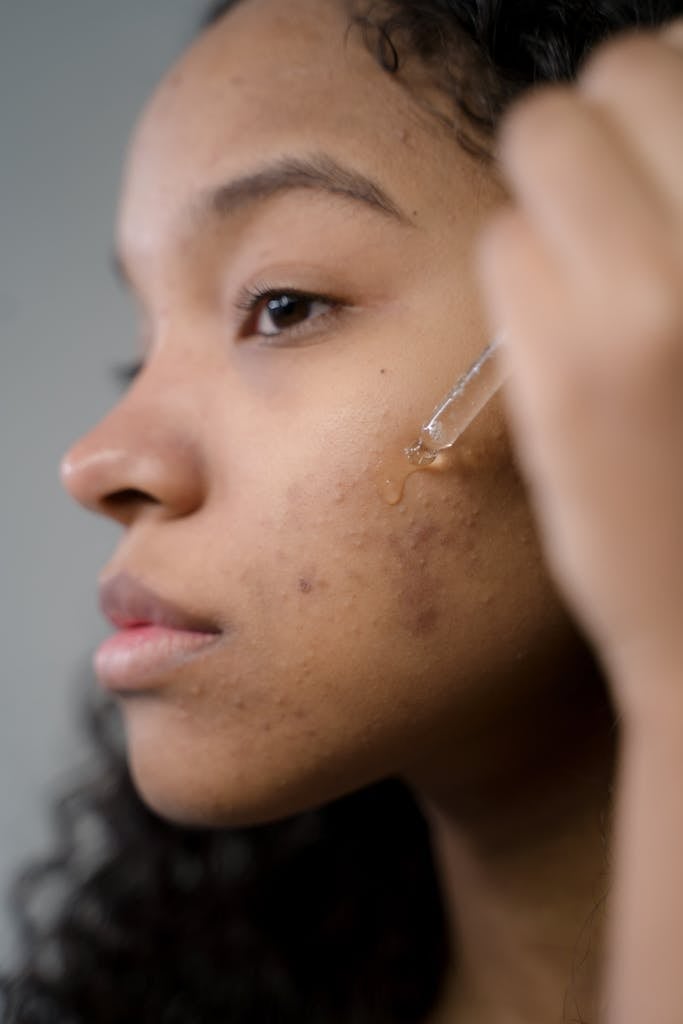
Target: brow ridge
319, 172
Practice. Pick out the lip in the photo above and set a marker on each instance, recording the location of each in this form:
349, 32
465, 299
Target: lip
154, 635
127, 602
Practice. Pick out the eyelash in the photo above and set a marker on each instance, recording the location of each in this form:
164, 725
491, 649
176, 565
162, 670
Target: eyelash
251, 302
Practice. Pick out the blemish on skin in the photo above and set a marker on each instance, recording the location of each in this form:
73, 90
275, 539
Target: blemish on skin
305, 585
382, 371
426, 620
418, 591
421, 534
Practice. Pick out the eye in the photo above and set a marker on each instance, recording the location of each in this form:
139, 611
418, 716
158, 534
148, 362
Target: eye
125, 373
272, 312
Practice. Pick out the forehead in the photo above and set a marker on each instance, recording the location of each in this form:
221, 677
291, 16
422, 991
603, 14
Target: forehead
272, 79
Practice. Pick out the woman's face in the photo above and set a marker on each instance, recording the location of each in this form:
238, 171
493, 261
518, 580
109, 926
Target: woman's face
360, 639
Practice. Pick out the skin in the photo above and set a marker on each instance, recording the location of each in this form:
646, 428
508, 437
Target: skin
602, 247
425, 639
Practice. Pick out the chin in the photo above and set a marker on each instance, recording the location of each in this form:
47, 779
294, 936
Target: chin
196, 793
205, 771
195, 803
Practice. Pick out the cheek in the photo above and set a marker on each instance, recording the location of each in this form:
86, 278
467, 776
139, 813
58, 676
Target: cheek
340, 563
363, 632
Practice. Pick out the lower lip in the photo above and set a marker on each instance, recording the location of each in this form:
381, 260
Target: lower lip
133, 658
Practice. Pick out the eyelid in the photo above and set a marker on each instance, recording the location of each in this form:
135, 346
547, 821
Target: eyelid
252, 297
247, 303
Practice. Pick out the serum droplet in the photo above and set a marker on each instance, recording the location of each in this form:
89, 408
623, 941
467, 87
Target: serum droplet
395, 469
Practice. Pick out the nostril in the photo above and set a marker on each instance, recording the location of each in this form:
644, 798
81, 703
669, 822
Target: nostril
121, 469
120, 502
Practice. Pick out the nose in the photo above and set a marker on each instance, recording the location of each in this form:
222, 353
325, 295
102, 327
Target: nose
140, 456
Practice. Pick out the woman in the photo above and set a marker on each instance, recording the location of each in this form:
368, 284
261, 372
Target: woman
301, 208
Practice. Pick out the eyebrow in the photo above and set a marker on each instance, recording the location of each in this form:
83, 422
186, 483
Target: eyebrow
319, 173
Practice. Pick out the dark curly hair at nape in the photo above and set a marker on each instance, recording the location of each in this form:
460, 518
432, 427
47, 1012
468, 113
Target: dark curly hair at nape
333, 917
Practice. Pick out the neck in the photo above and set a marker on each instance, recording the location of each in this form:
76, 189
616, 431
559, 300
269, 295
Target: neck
523, 863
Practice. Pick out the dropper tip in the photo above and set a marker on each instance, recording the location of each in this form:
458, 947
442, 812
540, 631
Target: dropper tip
420, 455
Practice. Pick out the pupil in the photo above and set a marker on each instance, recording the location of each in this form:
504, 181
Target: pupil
287, 310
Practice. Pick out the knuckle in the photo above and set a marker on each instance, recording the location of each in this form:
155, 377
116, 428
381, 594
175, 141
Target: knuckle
609, 68
672, 34
538, 116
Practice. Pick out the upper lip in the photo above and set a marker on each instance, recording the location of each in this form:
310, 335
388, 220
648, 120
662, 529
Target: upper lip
127, 602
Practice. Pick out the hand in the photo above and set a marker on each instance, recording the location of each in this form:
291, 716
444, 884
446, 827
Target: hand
584, 272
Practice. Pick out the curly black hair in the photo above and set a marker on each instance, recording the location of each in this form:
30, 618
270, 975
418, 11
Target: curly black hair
331, 916
485, 53
335, 915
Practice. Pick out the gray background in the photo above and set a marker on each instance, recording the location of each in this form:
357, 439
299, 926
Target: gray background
73, 75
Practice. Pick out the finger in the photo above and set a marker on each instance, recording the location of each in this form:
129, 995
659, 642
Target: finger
586, 194
638, 83
538, 334
672, 34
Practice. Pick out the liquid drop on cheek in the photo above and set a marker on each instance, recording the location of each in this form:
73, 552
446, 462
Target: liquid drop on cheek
394, 470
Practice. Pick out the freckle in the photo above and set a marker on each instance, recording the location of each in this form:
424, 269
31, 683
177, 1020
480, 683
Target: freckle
305, 586
382, 371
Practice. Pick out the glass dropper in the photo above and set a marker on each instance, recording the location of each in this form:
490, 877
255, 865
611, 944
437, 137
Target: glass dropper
460, 406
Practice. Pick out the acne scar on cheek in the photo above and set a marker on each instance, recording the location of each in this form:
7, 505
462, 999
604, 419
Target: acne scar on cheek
308, 580
426, 620
418, 594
